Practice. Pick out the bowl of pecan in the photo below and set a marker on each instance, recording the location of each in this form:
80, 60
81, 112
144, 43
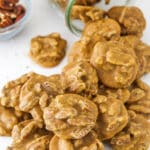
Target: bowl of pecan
14, 15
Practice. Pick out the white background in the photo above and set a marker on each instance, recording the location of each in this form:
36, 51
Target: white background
14, 60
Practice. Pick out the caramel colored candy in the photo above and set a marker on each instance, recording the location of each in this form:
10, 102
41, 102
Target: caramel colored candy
106, 28
136, 136
87, 13
139, 100
115, 63
80, 78
89, 142
142, 51
113, 117
8, 119
131, 19
82, 49
48, 51
37, 92
29, 135
70, 116
11, 91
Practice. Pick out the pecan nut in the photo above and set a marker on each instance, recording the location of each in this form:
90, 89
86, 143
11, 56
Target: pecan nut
5, 19
8, 4
19, 11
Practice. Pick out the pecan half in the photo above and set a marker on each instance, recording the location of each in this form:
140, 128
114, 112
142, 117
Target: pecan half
19, 11
5, 19
8, 4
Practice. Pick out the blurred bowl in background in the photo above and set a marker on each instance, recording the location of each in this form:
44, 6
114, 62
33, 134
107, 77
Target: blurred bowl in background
12, 30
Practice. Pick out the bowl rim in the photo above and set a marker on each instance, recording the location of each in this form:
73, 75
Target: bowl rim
25, 17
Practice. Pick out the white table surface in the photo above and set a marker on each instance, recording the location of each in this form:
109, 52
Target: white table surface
14, 60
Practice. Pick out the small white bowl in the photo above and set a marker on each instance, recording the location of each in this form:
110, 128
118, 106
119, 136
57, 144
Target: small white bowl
12, 30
